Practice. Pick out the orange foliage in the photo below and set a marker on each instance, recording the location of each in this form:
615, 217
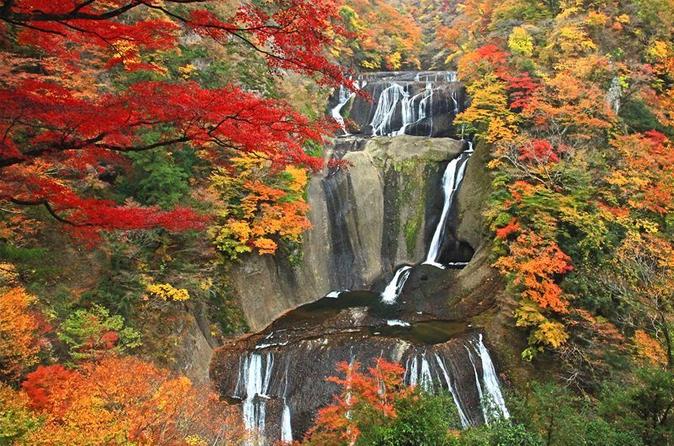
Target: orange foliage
388, 36
511, 228
535, 262
649, 349
259, 206
649, 163
19, 333
566, 102
378, 390
121, 401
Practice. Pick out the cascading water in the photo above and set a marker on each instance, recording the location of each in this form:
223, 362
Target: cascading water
491, 385
386, 107
286, 423
414, 108
455, 396
254, 378
395, 286
451, 180
344, 96
491, 398
434, 377
462, 366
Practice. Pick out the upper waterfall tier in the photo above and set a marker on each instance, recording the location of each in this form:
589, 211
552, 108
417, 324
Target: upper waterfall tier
400, 103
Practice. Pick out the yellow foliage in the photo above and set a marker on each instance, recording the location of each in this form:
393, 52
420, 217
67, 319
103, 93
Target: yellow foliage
19, 343
551, 334
658, 50
649, 349
520, 42
528, 315
488, 114
167, 292
596, 19
623, 19
257, 205
187, 70
501, 130
299, 178
617, 179
195, 440
573, 40
394, 61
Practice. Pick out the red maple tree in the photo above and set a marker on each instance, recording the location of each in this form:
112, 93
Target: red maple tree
62, 122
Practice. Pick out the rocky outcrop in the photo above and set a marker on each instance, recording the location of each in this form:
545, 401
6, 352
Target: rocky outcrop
284, 367
366, 220
399, 196
411, 103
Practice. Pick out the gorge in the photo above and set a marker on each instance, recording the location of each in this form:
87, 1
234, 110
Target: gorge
394, 240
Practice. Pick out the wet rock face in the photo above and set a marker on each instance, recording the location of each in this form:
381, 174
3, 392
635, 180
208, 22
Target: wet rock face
366, 220
287, 364
401, 103
397, 222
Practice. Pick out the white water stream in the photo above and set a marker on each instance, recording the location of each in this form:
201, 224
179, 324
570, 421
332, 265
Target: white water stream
395, 286
451, 180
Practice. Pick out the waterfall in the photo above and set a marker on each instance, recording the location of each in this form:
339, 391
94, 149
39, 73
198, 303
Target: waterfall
479, 386
425, 379
428, 100
255, 377
413, 109
451, 180
418, 372
395, 286
286, 425
491, 385
412, 114
455, 396
455, 100
491, 398
344, 97
388, 101
412, 370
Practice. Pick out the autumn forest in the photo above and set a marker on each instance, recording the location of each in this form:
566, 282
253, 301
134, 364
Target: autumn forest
337, 222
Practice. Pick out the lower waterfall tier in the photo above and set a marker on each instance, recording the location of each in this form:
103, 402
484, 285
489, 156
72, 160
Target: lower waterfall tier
279, 374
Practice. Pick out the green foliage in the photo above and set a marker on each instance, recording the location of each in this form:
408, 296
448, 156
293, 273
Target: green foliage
422, 419
16, 419
36, 264
224, 309
159, 178
88, 333
503, 433
639, 118
644, 407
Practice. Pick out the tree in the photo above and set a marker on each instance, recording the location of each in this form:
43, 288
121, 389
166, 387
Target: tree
123, 400
643, 405
381, 36
376, 408
85, 87
16, 418
258, 206
90, 333
20, 330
